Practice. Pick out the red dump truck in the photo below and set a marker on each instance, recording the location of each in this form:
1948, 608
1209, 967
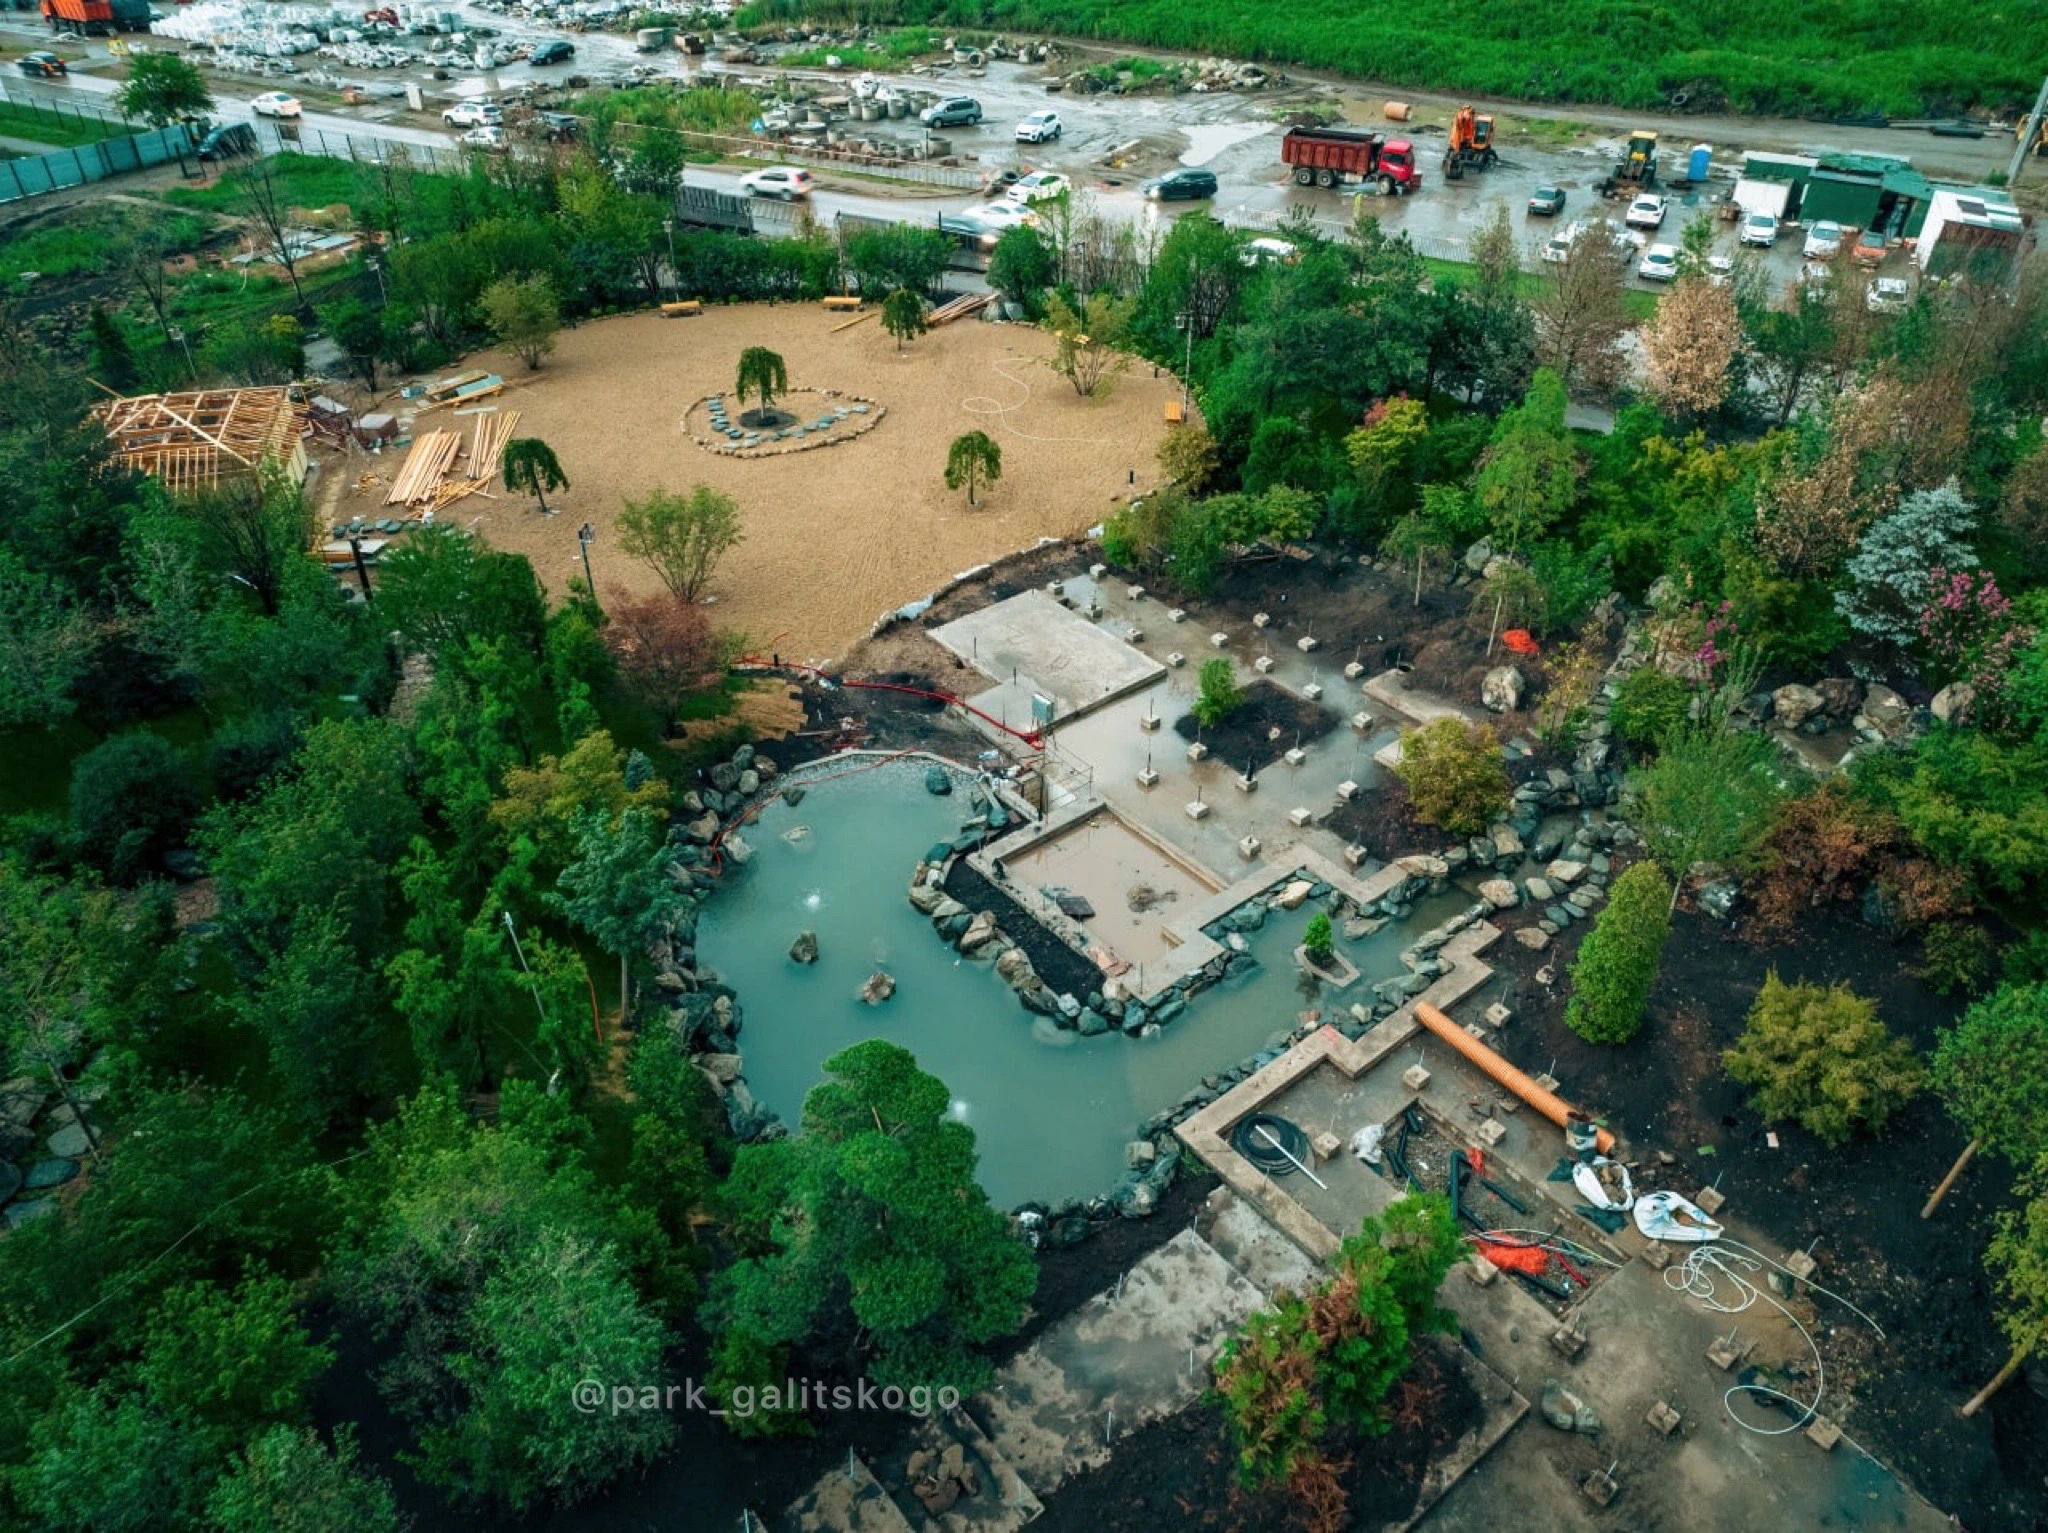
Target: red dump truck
87, 18
1333, 156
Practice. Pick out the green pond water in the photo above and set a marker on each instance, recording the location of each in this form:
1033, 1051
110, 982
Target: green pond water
1051, 1110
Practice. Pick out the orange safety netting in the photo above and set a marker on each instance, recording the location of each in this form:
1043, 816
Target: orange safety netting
1518, 640
1514, 1258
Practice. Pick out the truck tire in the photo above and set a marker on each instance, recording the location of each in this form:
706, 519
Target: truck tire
1454, 168
1303, 176
1386, 186
1488, 160
1326, 179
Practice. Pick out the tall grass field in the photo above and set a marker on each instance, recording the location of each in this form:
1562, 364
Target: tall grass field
1834, 57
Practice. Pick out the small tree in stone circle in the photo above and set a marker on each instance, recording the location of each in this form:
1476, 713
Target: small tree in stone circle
761, 374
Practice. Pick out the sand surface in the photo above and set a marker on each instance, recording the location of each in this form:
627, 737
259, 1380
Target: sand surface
836, 535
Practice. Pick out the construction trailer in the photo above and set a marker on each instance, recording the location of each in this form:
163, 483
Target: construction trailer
1857, 191
1972, 232
204, 438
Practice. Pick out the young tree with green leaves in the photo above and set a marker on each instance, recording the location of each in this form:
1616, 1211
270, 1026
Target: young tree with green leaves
2017, 1260
524, 313
1821, 1055
1708, 797
163, 88
1991, 1072
973, 458
1416, 536
1217, 693
224, 1363
1617, 964
254, 531
869, 1225
762, 376
288, 1481
682, 538
1022, 267
1454, 775
618, 889
903, 316
530, 467
113, 359
1318, 941
1086, 339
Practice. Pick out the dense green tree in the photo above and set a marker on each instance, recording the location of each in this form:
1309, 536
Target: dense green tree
901, 257
107, 1461
46, 644
1821, 1055
619, 890
1217, 694
1618, 962
445, 586
1991, 1072
1529, 479
1454, 775
253, 531
133, 799
524, 314
315, 1007
163, 88
869, 1224
2018, 1264
113, 360
1708, 797
288, 1481
1021, 267
224, 1363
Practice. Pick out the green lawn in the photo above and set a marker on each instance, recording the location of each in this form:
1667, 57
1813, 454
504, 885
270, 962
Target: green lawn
307, 181
60, 130
1834, 56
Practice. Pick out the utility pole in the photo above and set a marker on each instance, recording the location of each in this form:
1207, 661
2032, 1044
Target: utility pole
2029, 135
585, 536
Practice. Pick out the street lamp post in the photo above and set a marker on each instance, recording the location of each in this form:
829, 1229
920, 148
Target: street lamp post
668, 227
177, 334
377, 270
585, 536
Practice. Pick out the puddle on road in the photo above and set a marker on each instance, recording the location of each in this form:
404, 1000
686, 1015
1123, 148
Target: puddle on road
1206, 140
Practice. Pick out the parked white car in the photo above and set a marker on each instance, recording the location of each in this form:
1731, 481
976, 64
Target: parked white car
1888, 295
473, 114
1646, 212
1039, 186
276, 103
788, 182
1822, 240
1259, 252
1558, 248
1760, 229
489, 136
1039, 128
1720, 270
1659, 264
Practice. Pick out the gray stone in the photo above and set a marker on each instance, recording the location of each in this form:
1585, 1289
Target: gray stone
1566, 1411
980, 932
937, 780
1506, 842
928, 897
1884, 712
1502, 688
69, 1143
1014, 966
736, 850
1951, 704
1479, 555
1533, 937
749, 783
725, 776
1034, 996
1794, 704
702, 831
793, 794
805, 948
947, 908
1539, 889
1565, 872
1718, 899
27, 1212
1092, 1023
954, 927
1139, 1154
1841, 696
879, 987
1500, 893
723, 1068
1562, 915
1168, 1009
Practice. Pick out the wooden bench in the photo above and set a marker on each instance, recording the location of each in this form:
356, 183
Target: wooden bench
847, 304
1175, 415
681, 310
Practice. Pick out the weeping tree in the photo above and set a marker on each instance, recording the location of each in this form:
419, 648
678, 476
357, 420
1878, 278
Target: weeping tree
1991, 1072
530, 466
973, 458
761, 375
903, 316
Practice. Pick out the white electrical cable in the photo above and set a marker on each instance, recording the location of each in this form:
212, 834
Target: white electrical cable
1701, 1275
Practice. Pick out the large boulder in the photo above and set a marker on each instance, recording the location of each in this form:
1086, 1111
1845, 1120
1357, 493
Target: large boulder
1793, 704
879, 987
736, 850
702, 830
722, 1068
927, 897
1506, 842
1952, 703
1502, 689
1500, 893
1566, 1411
1840, 696
1479, 555
1014, 968
1884, 712
980, 932
937, 780
805, 948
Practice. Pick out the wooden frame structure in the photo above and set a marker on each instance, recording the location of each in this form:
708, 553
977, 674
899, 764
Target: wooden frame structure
195, 440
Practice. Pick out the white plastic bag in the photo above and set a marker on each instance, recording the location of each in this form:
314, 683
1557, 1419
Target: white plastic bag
1365, 1144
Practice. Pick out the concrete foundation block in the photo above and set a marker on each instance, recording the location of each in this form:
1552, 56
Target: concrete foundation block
1134, 635
1361, 721
1148, 778
1176, 614
1245, 784
1600, 1487
1313, 691
1219, 639
1176, 660
1710, 1199
1416, 1077
1097, 571
1198, 810
1263, 664
1823, 1434
1662, 1419
1148, 722
1299, 817
1136, 593
1198, 751
1353, 670
1324, 1145
1354, 856
1491, 1132
1346, 791
1261, 619
1296, 756
1727, 1352
1498, 1015
1248, 848
1479, 1271
1568, 1342
1307, 643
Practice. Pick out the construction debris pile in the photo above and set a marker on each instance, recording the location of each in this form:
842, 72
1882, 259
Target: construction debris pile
263, 39
440, 471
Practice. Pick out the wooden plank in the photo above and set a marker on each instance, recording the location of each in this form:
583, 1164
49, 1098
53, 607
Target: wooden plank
841, 305
857, 319
681, 310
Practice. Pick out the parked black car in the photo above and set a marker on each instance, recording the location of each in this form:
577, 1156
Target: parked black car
1549, 200
554, 51
41, 65
229, 141
1181, 186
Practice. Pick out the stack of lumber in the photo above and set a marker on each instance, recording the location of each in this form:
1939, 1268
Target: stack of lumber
419, 477
429, 479
959, 308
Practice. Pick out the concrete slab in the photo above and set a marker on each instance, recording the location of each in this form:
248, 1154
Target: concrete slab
1107, 863
1125, 1359
1030, 643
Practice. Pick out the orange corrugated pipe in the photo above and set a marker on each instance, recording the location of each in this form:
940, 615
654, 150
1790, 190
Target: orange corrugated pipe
1503, 1074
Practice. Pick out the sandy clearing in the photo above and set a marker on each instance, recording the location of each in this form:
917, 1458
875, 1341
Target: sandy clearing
837, 535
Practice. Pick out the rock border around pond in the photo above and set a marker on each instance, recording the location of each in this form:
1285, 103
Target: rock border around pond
828, 425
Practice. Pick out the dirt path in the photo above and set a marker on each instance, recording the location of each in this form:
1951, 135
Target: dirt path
837, 535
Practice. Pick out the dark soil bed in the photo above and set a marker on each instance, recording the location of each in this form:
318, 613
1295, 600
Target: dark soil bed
1066, 971
1268, 723
1919, 1279
1179, 1473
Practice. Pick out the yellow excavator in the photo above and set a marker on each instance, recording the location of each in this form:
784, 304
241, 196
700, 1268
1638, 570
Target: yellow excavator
1637, 167
1471, 144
